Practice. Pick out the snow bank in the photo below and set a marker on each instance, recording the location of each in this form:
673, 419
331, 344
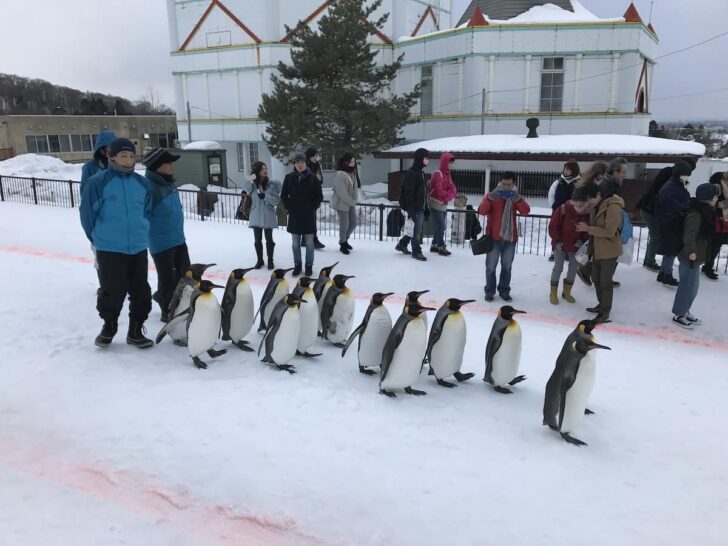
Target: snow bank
203, 145
551, 13
40, 166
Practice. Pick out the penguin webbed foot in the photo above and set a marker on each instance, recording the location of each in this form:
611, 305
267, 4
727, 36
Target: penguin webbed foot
366, 371
502, 390
214, 354
463, 376
286, 368
389, 394
339, 345
447, 384
415, 392
517, 380
307, 354
244, 346
180, 343
199, 364
573, 441
431, 372
587, 411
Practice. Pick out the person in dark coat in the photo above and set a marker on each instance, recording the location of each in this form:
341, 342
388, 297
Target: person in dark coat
673, 200
472, 224
612, 182
302, 196
563, 188
413, 200
166, 227
720, 235
313, 162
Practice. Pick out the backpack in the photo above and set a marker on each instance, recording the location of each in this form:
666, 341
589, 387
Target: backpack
627, 231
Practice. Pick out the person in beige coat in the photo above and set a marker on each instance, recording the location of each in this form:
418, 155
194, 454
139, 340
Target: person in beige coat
343, 200
605, 246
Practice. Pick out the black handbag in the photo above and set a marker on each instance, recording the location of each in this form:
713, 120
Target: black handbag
483, 245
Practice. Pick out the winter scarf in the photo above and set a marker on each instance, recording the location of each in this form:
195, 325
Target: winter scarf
510, 196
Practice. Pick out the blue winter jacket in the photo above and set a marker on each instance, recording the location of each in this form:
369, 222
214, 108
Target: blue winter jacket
672, 198
115, 209
91, 167
166, 223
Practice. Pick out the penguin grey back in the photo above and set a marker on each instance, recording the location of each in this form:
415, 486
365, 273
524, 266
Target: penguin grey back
393, 341
494, 343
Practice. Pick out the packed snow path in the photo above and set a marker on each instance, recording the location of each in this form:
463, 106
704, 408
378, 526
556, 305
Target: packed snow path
138, 447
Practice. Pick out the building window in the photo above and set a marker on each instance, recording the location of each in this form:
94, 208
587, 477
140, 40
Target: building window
65, 141
253, 154
328, 161
248, 153
552, 84
41, 144
54, 144
30, 146
426, 89
86, 144
76, 143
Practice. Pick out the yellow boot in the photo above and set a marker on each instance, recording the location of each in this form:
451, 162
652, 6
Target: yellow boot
554, 295
566, 294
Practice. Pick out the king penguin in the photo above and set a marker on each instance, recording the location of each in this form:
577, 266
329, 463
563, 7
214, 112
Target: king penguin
281, 338
181, 300
203, 319
321, 286
414, 297
404, 351
309, 316
576, 373
503, 352
274, 292
446, 345
337, 311
238, 309
372, 333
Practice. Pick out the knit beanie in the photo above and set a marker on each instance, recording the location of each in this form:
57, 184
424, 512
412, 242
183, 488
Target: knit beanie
682, 168
310, 153
706, 192
299, 157
122, 145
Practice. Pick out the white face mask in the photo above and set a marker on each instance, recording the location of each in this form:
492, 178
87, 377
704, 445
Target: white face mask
685, 179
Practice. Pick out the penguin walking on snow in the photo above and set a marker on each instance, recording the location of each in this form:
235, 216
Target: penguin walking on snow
203, 319
181, 300
372, 332
414, 297
321, 286
570, 385
446, 345
503, 352
238, 309
403, 352
309, 317
281, 338
337, 312
274, 292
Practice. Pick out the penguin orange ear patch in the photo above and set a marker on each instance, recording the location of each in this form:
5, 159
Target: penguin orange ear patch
581, 327
447, 303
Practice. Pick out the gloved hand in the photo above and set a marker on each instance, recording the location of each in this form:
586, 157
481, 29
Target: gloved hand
261, 195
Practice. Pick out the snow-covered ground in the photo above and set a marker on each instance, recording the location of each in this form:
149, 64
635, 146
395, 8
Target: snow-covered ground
124, 447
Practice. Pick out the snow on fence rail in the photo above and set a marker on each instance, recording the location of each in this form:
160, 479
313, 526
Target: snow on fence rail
374, 219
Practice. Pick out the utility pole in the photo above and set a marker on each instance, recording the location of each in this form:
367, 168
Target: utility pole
482, 113
189, 123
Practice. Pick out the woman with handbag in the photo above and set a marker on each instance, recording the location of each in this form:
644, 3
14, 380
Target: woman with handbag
264, 195
442, 192
343, 199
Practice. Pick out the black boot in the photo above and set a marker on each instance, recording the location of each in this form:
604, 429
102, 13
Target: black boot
135, 336
108, 331
318, 245
269, 249
259, 253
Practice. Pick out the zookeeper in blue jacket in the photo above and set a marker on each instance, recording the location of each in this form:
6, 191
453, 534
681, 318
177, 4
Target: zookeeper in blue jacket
100, 161
166, 226
115, 208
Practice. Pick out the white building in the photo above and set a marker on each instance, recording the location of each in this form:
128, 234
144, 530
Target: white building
577, 73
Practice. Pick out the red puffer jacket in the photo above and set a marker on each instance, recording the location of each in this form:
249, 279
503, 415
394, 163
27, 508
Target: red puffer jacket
441, 186
493, 209
562, 227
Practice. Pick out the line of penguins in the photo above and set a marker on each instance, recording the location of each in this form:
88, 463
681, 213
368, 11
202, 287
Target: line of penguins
292, 321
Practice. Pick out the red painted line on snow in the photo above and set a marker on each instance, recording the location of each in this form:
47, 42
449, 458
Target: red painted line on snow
648, 332
144, 497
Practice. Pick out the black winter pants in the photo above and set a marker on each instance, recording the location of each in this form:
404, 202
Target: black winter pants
123, 274
171, 265
258, 232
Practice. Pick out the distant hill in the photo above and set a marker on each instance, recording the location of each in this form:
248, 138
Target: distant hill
20, 95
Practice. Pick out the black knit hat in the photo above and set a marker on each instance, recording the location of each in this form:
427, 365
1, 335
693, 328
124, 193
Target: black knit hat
682, 168
706, 192
156, 157
122, 145
311, 152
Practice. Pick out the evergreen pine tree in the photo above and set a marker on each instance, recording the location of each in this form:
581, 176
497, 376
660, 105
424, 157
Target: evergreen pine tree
333, 95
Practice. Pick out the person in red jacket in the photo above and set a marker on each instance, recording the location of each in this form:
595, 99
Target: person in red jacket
565, 241
500, 207
442, 192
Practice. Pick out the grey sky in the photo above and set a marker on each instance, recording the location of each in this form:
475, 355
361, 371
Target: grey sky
122, 47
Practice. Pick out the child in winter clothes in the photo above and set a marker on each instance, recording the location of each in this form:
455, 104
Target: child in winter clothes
442, 192
565, 241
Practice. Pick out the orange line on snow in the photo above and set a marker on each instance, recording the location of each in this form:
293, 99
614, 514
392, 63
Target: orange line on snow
661, 333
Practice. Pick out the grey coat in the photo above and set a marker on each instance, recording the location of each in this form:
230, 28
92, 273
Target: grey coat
345, 191
263, 211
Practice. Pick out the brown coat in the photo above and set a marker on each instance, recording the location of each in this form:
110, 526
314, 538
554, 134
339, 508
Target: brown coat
604, 226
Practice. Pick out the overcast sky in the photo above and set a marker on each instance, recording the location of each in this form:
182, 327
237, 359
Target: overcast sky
122, 47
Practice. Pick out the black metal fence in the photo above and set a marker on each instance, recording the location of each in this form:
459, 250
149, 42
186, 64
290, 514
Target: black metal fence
530, 184
376, 221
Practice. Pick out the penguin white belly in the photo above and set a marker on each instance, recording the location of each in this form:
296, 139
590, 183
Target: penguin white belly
407, 359
447, 354
374, 338
309, 322
508, 358
242, 315
342, 319
578, 395
280, 293
204, 329
286, 338
179, 332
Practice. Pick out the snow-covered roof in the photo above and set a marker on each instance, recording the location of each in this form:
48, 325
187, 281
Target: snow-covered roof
504, 12
606, 145
203, 145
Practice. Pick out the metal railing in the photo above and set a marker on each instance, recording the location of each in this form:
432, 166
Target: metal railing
380, 222
530, 184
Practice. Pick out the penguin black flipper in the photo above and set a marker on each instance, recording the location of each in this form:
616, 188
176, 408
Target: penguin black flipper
182, 317
270, 291
227, 305
567, 381
269, 338
327, 308
435, 333
552, 398
177, 295
393, 340
494, 344
352, 337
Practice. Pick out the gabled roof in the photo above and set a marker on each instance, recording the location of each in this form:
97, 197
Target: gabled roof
508, 9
